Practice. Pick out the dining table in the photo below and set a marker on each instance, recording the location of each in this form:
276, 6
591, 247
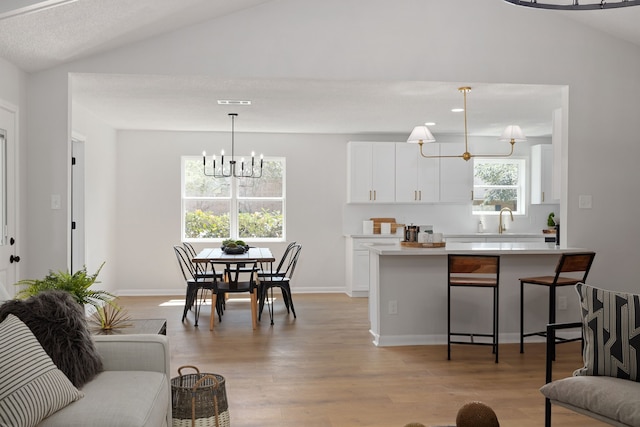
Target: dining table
254, 254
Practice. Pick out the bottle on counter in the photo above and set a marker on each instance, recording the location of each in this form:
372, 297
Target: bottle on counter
480, 227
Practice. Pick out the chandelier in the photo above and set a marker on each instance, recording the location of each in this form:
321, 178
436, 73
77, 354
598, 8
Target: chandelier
244, 170
421, 134
575, 5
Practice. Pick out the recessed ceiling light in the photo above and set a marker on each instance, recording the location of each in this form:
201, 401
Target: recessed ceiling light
457, 110
430, 124
233, 102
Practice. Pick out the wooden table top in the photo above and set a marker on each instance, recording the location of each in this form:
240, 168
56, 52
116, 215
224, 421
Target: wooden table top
217, 255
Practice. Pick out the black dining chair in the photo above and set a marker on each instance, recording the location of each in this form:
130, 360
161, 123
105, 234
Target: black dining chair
281, 278
234, 271
201, 269
194, 284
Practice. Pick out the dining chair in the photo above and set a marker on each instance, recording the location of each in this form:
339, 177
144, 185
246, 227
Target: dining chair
571, 269
474, 271
281, 278
194, 283
201, 270
234, 271
280, 270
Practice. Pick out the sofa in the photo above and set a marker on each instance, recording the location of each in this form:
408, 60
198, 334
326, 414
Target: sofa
133, 389
607, 387
54, 372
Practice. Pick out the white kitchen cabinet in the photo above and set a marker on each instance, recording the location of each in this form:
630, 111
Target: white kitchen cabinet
371, 172
417, 177
357, 266
542, 175
456, 175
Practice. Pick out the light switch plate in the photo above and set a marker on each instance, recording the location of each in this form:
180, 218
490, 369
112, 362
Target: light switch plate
55, 201
584, 201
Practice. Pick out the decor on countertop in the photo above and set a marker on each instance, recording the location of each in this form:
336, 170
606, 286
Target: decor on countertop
70, 347
246, 171
199, 399
422, 134
77, 284
109, 317
574, 5
476, 414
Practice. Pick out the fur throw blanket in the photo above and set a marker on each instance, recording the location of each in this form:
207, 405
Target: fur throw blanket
60, 325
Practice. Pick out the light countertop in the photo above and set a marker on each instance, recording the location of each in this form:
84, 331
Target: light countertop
488, 248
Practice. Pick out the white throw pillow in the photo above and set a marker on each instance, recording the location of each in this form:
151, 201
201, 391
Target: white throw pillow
31, 386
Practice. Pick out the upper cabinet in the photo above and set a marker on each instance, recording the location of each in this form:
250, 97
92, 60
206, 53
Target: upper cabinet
417, 177
542, 176
371, 172
396, 173
456, 175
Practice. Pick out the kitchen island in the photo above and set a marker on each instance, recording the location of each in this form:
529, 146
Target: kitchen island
408, 292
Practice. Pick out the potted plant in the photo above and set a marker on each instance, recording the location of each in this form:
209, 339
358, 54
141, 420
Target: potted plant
77, 284
551, 224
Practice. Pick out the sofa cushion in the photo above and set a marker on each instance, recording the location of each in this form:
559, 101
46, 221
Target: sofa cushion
610, 323
118, 399
611, 398
60, 325
31, 387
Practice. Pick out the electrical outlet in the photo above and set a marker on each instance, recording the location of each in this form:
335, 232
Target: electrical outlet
562, 303
393, 307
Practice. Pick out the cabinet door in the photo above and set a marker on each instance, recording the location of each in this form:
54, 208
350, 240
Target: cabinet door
456, 175
360, 283
542, 175
417, 178
429, 174
383, 179
360, 166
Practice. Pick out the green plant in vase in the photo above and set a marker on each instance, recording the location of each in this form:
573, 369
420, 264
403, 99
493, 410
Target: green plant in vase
77, 284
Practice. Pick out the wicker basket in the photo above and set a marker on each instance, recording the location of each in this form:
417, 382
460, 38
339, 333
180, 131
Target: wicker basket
199, 400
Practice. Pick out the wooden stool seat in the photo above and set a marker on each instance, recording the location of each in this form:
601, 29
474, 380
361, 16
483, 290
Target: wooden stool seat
476, 271
578, 264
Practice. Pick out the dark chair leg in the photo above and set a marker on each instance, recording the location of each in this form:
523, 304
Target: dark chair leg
547, 413
448, 322
521, 317
496, 298
286, 294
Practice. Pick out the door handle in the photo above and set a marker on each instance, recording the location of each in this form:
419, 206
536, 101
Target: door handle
13, 259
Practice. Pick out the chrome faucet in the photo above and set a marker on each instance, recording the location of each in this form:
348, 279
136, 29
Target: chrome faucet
501, 226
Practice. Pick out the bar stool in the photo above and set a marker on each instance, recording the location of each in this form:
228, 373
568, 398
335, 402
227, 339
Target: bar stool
578, 264
476, 271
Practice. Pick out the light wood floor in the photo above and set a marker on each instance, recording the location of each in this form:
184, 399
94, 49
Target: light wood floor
322, 369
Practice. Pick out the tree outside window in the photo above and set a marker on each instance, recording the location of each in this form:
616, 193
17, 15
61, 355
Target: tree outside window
498, 183
233, 208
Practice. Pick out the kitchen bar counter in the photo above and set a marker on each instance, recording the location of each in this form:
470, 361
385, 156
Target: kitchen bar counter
408, 292
488, 248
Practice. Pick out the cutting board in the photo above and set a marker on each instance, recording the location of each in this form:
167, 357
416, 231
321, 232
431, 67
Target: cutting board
378, 221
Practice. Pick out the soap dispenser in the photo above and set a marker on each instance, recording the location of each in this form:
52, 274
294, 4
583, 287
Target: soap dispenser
480, 227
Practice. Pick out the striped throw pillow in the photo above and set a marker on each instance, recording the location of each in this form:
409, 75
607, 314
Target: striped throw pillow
611, 328
31, 386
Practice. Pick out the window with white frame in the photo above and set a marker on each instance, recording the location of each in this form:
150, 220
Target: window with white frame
233, 208
498, 183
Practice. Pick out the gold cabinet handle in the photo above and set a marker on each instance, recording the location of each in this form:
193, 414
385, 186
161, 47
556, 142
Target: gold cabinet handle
543, 196
419, 194
374, 194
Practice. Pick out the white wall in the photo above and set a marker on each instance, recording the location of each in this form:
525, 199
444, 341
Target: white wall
100, 195
149, 217
454, 40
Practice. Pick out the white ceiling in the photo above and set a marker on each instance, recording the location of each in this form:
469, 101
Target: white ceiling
42, 34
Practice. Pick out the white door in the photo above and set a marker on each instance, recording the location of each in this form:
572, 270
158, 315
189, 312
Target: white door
9, 255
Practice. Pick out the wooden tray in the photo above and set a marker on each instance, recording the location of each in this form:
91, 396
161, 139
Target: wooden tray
423, 245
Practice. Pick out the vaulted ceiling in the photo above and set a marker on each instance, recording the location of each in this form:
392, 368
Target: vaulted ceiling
37, 35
